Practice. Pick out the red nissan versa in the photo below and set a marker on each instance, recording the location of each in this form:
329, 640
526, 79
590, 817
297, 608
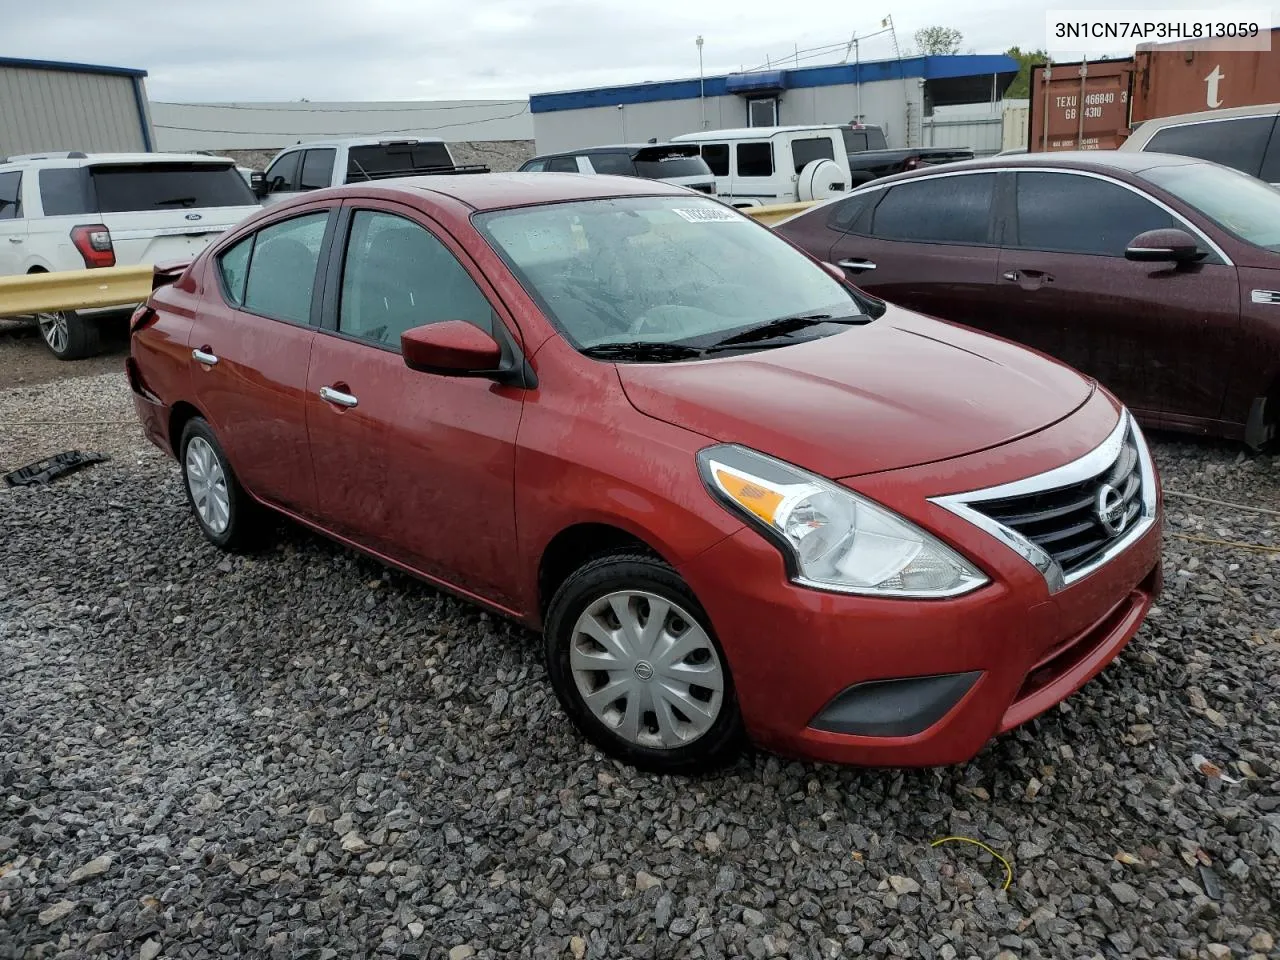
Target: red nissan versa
735, 494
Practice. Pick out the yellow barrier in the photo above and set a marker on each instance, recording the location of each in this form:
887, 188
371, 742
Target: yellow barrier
75, 290
776, 212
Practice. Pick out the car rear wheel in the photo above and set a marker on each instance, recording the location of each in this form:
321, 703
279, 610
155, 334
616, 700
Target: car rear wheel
226, 515
636, 665
68, 335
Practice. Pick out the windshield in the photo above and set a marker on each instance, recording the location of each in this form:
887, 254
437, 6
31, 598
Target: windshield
125, 188
675, 270
1240, 204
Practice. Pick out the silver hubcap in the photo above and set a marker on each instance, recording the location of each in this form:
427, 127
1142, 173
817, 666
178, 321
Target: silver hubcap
646, 669
53, 326
208, 485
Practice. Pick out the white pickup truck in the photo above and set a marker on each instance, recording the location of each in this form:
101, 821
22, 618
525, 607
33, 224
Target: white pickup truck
331, 163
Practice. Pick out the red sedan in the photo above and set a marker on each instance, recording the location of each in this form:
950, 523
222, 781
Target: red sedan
737, 496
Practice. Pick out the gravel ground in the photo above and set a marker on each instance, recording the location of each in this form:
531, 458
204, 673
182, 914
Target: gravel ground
25, 360
301, 754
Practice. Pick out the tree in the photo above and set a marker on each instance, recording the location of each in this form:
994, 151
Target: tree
938, 41
1021, 87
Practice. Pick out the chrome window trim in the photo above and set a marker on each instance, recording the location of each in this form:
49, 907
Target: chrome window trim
1265, 296
1077, 471
1024, 168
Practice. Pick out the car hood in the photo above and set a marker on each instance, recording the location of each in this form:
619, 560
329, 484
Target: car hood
900, 391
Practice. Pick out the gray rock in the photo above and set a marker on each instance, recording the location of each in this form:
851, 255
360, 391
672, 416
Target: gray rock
149, 951
94, 868
55, 912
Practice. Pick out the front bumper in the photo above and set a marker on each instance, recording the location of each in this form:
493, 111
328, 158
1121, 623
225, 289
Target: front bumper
993, 659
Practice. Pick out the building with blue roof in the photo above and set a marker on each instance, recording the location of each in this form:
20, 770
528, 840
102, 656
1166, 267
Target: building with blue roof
897, 95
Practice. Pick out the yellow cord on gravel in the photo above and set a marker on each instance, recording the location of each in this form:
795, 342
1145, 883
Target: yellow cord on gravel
1008, 870
1261, 547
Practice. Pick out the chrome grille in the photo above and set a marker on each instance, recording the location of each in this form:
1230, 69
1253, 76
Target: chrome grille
1072, 519
1074, 523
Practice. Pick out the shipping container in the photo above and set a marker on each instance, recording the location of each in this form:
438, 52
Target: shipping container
1079, 106
1170, 80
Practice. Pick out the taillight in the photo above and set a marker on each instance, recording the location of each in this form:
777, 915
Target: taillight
143, 317
94, 243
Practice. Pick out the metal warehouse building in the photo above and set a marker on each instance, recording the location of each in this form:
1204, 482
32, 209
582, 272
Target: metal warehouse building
72, 106
899, 95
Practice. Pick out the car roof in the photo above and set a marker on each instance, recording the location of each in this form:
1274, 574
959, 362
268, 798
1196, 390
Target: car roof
754, 133
90, 159
1222, 113
494, 191
1096, 161
370, 141
604, 148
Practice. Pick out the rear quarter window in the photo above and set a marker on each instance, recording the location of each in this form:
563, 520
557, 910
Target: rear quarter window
65, 191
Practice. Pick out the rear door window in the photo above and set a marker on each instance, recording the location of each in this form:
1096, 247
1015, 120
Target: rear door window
562, 165
615, 163
11, 195
1238, 143
717, 157
809, 149
282, 268
1271, 161
755, 159
845, 213
283, 174
938, 210
1069, 213
395, 159
317, 169
128, 188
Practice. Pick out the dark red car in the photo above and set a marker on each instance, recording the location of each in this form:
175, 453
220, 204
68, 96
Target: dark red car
735, 494
1158, 275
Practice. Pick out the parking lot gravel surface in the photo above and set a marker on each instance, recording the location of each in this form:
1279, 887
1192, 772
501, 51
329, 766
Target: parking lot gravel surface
298, 753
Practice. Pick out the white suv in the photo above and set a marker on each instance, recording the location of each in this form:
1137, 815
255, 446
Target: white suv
72, 211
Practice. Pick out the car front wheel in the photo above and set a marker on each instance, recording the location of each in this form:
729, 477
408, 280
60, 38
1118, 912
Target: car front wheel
634, 661
226, 515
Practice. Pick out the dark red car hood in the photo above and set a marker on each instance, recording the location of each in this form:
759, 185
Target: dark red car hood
898, 392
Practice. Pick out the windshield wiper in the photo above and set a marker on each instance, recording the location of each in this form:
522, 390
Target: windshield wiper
176, 202
641, 350
785, 325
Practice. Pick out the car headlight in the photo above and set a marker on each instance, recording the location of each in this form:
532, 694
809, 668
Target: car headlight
833, 538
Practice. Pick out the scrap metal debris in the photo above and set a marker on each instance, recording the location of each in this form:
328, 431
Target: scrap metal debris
52, 468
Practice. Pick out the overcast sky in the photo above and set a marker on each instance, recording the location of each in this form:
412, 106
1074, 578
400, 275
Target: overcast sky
425, 49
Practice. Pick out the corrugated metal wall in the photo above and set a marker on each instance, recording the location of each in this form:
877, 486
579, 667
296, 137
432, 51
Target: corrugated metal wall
271, 126
56, 110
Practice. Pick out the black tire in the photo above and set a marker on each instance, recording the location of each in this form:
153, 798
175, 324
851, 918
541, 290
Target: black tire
243, 520
68, 335
601, 576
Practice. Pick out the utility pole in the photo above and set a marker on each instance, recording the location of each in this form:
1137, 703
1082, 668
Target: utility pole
702, 85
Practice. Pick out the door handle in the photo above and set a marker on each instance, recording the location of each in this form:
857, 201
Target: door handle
15, 239
337, 397
856, 264
202, 355
1033, 277
1011, 276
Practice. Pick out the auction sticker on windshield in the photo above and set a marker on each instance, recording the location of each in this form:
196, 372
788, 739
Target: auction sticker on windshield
707, 214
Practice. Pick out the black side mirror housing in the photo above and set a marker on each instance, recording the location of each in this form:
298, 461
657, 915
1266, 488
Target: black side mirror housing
258, 183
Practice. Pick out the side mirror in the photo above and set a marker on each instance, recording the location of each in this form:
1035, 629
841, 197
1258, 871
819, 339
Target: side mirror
258, 183
451, 348
1164, 246
835, 271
